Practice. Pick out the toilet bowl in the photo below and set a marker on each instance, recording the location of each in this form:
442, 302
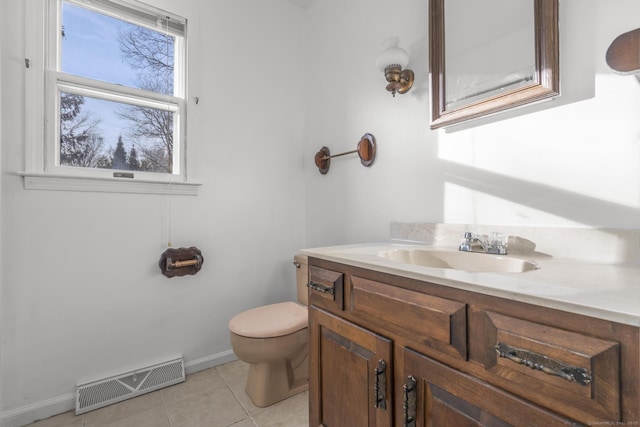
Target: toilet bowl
273, 340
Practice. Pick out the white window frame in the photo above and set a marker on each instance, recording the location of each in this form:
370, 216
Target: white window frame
43, 85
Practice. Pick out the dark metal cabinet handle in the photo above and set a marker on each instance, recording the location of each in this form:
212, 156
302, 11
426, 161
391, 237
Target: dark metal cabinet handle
321, 288
380, 385
409, 405
544, 364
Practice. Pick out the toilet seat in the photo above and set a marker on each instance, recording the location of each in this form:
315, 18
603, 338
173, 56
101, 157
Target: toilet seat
270, 321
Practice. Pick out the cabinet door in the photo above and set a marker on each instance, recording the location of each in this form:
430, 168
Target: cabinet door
439, 396
350, 375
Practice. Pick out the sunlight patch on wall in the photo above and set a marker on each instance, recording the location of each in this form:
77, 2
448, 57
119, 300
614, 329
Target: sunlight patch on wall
466, 206
591, 148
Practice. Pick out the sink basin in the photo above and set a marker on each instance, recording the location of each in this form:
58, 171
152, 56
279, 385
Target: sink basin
467, 261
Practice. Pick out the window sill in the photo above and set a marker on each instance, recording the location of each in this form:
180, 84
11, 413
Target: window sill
41, 181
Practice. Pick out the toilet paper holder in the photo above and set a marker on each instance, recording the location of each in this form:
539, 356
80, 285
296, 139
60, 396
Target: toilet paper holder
181, 261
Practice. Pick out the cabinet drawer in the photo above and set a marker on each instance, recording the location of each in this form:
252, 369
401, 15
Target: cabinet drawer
429, 322
326, 287
573, 374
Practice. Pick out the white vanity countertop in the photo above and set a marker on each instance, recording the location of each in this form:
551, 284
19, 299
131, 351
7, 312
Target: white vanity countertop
605, 291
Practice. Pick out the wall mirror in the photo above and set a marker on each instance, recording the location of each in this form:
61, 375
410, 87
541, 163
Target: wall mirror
491, 55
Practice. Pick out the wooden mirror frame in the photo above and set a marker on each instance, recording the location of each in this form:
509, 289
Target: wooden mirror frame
546, 82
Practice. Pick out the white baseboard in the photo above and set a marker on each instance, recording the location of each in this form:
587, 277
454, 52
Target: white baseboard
67, 402
193, 366
38, 411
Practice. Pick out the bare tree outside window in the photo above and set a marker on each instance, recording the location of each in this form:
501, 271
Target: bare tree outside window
151, 54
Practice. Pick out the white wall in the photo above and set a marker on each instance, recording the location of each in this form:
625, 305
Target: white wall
82, 295
572, 162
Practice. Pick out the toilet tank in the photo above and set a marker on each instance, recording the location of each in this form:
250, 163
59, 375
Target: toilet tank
302, 278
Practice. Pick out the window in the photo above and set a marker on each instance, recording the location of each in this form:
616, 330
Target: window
114, 94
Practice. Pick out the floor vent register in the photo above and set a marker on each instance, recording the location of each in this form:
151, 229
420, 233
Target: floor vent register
96, 394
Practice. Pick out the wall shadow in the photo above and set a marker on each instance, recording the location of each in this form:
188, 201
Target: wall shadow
579, 208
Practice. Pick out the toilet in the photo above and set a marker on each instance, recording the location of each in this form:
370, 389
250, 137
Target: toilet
273, 339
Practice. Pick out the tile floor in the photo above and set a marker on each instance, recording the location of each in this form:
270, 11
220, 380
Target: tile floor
214, 397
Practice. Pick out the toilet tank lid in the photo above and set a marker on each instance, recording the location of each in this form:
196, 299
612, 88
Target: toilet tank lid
270, 321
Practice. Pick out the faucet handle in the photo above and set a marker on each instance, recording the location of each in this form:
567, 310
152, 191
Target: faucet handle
470, 235
496, 238
470, 239
465, 245
497, 244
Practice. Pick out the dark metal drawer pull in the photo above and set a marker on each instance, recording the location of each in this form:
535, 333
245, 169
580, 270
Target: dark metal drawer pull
380, 386
409, 405
544, 364
320, 288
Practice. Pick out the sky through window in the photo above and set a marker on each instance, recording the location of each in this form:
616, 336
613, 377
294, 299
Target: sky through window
90, 48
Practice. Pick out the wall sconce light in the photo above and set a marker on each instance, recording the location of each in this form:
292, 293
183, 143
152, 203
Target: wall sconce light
391, 62
623, 55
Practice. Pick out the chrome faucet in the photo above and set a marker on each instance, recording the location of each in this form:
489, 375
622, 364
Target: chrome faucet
474, 242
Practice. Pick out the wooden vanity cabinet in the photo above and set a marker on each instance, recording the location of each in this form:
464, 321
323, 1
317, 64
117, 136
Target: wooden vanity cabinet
393, 351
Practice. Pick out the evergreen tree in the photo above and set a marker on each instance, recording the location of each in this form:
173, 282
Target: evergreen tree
104, 161
79, 142
119, 160
133, 162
